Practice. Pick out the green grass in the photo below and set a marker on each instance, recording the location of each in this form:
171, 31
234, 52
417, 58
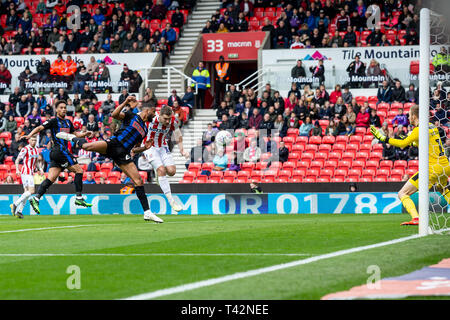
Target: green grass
114, 277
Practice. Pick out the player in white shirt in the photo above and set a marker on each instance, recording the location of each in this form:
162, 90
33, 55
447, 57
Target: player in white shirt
160, 130
28, 155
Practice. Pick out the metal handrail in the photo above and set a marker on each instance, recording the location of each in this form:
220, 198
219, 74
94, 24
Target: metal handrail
251, 78
169, 68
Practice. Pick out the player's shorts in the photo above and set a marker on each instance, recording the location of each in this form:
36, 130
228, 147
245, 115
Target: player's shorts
27, 180
159, 157
438, 174
61, 159
116, 151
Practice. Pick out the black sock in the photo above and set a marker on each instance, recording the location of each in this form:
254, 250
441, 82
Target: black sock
43, 188
79, 142
140, 192
78, 183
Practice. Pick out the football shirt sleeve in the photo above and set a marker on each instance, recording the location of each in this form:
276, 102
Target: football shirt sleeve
413, 137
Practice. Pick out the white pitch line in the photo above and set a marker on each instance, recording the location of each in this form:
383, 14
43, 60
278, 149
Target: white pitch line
145, 254
255, 272
49, 228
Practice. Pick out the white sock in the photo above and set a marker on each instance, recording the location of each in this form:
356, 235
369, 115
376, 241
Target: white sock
165, 187
147, 212
23, 198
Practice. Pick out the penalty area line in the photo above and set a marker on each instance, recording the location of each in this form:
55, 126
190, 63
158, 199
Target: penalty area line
51, 228
255, 272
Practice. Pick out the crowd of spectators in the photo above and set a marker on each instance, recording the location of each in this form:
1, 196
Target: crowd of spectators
320, 24
243, 112
106, 26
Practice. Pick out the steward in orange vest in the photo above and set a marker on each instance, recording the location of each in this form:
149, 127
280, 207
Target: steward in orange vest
221, 79
57, 68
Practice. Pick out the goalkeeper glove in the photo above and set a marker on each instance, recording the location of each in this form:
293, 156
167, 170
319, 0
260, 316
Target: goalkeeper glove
377, 134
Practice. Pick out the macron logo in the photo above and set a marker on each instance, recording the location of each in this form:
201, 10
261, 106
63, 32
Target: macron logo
239, 44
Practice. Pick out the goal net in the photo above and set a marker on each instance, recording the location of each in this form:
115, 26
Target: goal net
434, 102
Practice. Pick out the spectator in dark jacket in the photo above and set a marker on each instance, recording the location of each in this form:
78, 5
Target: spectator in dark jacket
282, 34
23, 108
374, 38
174, 97
241, 25
374, 119
298, 70
384, 93
388, 152
350, 37
43, 69
283, 152
398, 92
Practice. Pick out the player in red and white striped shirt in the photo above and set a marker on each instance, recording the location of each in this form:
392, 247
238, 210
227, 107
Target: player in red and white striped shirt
28, 155
160, 130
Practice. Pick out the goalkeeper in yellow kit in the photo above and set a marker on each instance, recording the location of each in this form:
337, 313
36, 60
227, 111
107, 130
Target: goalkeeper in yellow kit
439, 167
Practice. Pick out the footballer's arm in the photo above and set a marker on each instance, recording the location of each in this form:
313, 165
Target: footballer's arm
33, 132
179, 139
117, 113
145, 146
413, 137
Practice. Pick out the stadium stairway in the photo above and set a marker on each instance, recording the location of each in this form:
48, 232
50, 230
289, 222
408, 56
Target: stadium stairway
191, 133
191, 31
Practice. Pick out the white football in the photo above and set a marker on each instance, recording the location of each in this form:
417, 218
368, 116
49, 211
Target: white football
223, 138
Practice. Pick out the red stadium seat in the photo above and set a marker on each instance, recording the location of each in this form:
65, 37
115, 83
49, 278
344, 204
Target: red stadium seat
315, 140
328, 139
298, 148
330, 164
106, 167
289, 165
301, 139
217, 174
195, 166
362, 156
400, 164
321, 156
360, 99
229, 174
261, 166
344, 164
316, 165
386, 164
292, 132
353, 147
343, 139
349, 156
207, 166
334, 156
311, 147
201, 179
243, 174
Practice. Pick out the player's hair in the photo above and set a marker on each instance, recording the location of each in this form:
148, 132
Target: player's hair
166, 110
415, 110
147, 105
59, 102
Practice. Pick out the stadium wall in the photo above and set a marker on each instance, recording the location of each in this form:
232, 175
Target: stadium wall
227, 199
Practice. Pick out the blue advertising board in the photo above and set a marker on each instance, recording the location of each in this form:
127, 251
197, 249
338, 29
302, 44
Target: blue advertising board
193, 204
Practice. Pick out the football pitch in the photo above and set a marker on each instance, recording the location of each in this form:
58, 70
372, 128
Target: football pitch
204, 257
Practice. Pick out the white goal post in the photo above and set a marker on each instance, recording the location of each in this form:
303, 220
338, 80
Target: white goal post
434, 216
424, 110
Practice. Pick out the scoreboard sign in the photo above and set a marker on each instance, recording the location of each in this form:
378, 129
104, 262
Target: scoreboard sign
232, 46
